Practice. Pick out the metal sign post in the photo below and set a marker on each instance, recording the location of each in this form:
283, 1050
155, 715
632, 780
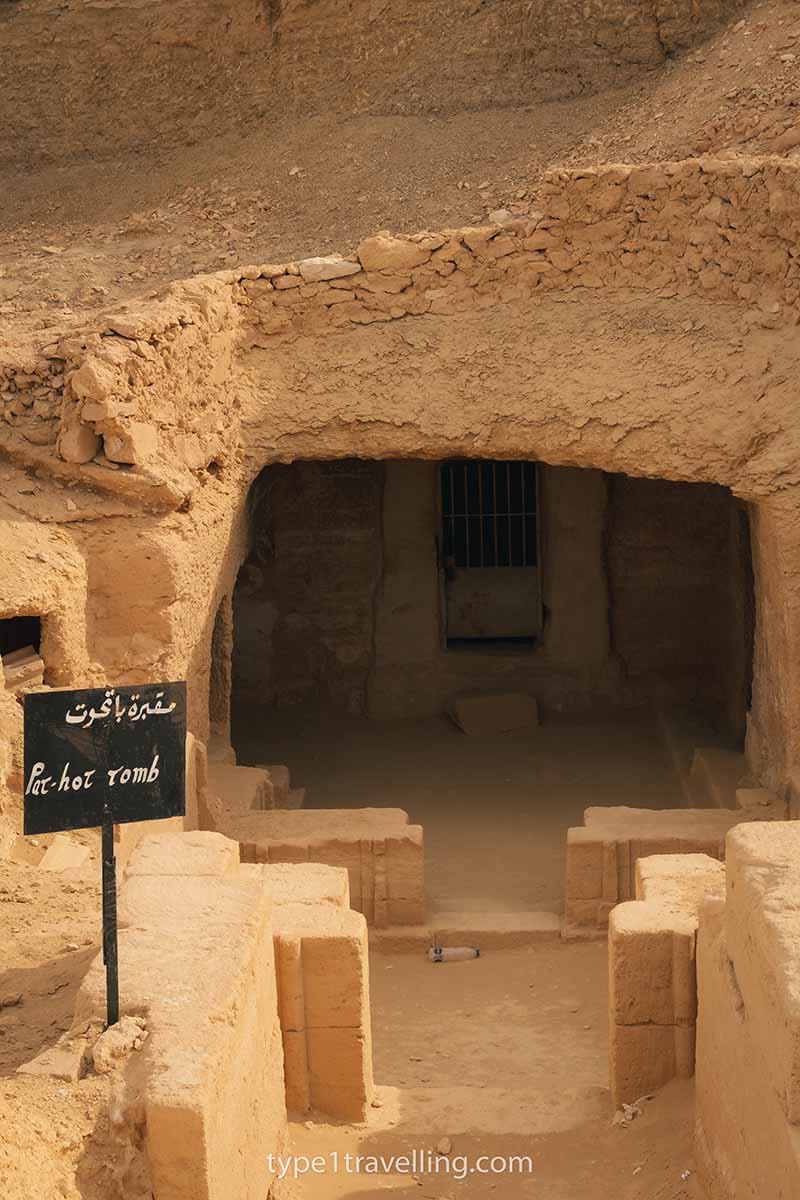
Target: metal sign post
110, 955
100, 757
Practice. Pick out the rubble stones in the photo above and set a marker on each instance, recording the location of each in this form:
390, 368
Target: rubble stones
77, 443
132, 445
313, 270
92, 381
117, 1043
385, 253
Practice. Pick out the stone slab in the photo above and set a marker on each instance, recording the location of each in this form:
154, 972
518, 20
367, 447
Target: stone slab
242, 789
494, 713
195, 853
307, 883
65, 854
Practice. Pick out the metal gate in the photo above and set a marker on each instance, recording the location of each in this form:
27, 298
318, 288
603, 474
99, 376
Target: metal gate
489, 551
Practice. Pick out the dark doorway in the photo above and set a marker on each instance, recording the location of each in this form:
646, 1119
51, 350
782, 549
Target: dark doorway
18, 632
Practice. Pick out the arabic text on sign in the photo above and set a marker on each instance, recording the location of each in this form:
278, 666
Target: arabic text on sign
114, 706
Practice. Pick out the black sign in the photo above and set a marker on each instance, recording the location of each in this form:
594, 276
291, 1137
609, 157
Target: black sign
104, 755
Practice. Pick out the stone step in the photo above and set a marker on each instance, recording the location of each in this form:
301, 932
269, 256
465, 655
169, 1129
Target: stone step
487, 931
241, 789
283, 794
23, 669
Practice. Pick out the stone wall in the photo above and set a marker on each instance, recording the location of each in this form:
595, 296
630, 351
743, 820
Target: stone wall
652, 973
30, 400
748, 1031
726, 230
681, 595
304, 604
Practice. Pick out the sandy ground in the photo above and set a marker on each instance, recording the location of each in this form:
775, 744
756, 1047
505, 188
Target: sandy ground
50, 930
495, 811
51, 1146
80, 236
501, 1056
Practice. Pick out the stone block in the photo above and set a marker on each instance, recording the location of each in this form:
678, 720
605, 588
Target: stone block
194, 853
196, 776
329, 961
623, 836
584, 865
329, 266
405, 869
135, 442
745, 1141
296, 799
65, 1060
641, 948
77, 443
308, 883
385, 253
212, 1089
642, 1059
241, 789
381, 852
762, 933
323, 988
340, 1080
22, 669
298, 1084
342, 853
289, 975
64, 854
281, 784
652, 972
128, 836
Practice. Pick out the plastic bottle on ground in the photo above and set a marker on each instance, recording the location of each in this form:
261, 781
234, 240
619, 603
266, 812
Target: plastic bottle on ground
439, 954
